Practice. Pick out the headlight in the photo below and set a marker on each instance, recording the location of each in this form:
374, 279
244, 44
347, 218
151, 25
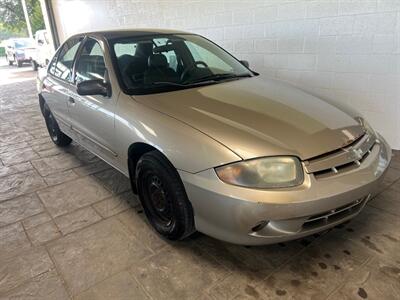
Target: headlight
263, 173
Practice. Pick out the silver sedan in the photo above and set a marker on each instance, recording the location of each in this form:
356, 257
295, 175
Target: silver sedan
207, 143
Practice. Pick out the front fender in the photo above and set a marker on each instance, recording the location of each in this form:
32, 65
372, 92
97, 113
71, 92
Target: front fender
187, 148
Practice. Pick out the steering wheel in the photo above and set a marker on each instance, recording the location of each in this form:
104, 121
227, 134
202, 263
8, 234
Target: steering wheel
191, 67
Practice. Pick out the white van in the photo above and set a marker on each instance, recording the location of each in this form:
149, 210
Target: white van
45, 49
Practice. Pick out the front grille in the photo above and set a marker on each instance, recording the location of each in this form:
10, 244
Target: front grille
334, 215
341, 160
336, 151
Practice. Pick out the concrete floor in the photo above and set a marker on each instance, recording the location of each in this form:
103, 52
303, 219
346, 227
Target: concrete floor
66, 231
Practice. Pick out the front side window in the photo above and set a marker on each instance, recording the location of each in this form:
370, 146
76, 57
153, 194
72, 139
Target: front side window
90, 64
42, 37
169, 62
63, 67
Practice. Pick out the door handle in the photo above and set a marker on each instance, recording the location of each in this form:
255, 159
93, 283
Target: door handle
71, 100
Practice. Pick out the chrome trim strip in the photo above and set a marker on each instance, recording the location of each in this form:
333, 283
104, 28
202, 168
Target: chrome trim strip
346, 155
335, 212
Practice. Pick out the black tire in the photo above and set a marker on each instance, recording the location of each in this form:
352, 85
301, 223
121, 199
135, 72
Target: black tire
34, 65
163, 197
19, 63
57, 136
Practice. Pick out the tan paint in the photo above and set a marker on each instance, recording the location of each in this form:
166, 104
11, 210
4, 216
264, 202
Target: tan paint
257, 117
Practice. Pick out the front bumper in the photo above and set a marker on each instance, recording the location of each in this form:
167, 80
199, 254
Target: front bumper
256, 217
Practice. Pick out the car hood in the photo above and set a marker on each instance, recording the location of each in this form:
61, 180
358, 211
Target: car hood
257, 117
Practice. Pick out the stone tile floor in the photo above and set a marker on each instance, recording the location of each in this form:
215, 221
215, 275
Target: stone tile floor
67, 231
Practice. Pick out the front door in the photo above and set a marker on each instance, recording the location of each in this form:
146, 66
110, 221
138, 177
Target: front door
92, 117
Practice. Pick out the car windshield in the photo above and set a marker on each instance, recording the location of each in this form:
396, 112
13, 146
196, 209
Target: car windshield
170, 62
24, 43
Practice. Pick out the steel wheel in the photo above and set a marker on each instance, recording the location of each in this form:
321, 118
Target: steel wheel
163, 197
160, 204
56, 135
52, 127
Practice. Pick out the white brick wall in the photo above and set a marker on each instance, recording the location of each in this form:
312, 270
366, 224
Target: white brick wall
346, 51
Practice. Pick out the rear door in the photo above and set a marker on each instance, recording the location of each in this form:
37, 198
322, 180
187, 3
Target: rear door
92, 117
59, 82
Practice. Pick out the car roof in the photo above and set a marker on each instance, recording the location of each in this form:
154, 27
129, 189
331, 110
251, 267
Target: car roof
111, 34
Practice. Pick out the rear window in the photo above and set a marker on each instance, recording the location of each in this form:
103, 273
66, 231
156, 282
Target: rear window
25, 43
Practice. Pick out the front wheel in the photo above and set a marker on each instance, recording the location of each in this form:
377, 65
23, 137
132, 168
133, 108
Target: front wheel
163, 197
56, 135
19, 63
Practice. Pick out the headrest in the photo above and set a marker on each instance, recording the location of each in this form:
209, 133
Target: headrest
144, 49
157, 61
125, 59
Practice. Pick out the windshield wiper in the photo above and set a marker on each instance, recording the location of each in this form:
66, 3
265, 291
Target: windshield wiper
166, 83
209, 79
221, 76
170, 83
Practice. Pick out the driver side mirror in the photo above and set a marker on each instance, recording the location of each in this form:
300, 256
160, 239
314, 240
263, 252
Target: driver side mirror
245, 63
93, 87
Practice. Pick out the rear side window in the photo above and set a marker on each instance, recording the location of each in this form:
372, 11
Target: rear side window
123, 49
63, 66
90, 63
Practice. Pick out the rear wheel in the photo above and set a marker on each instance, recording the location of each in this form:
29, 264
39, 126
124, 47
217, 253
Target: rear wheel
56, 135
34, 65
163, 197
19, 63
